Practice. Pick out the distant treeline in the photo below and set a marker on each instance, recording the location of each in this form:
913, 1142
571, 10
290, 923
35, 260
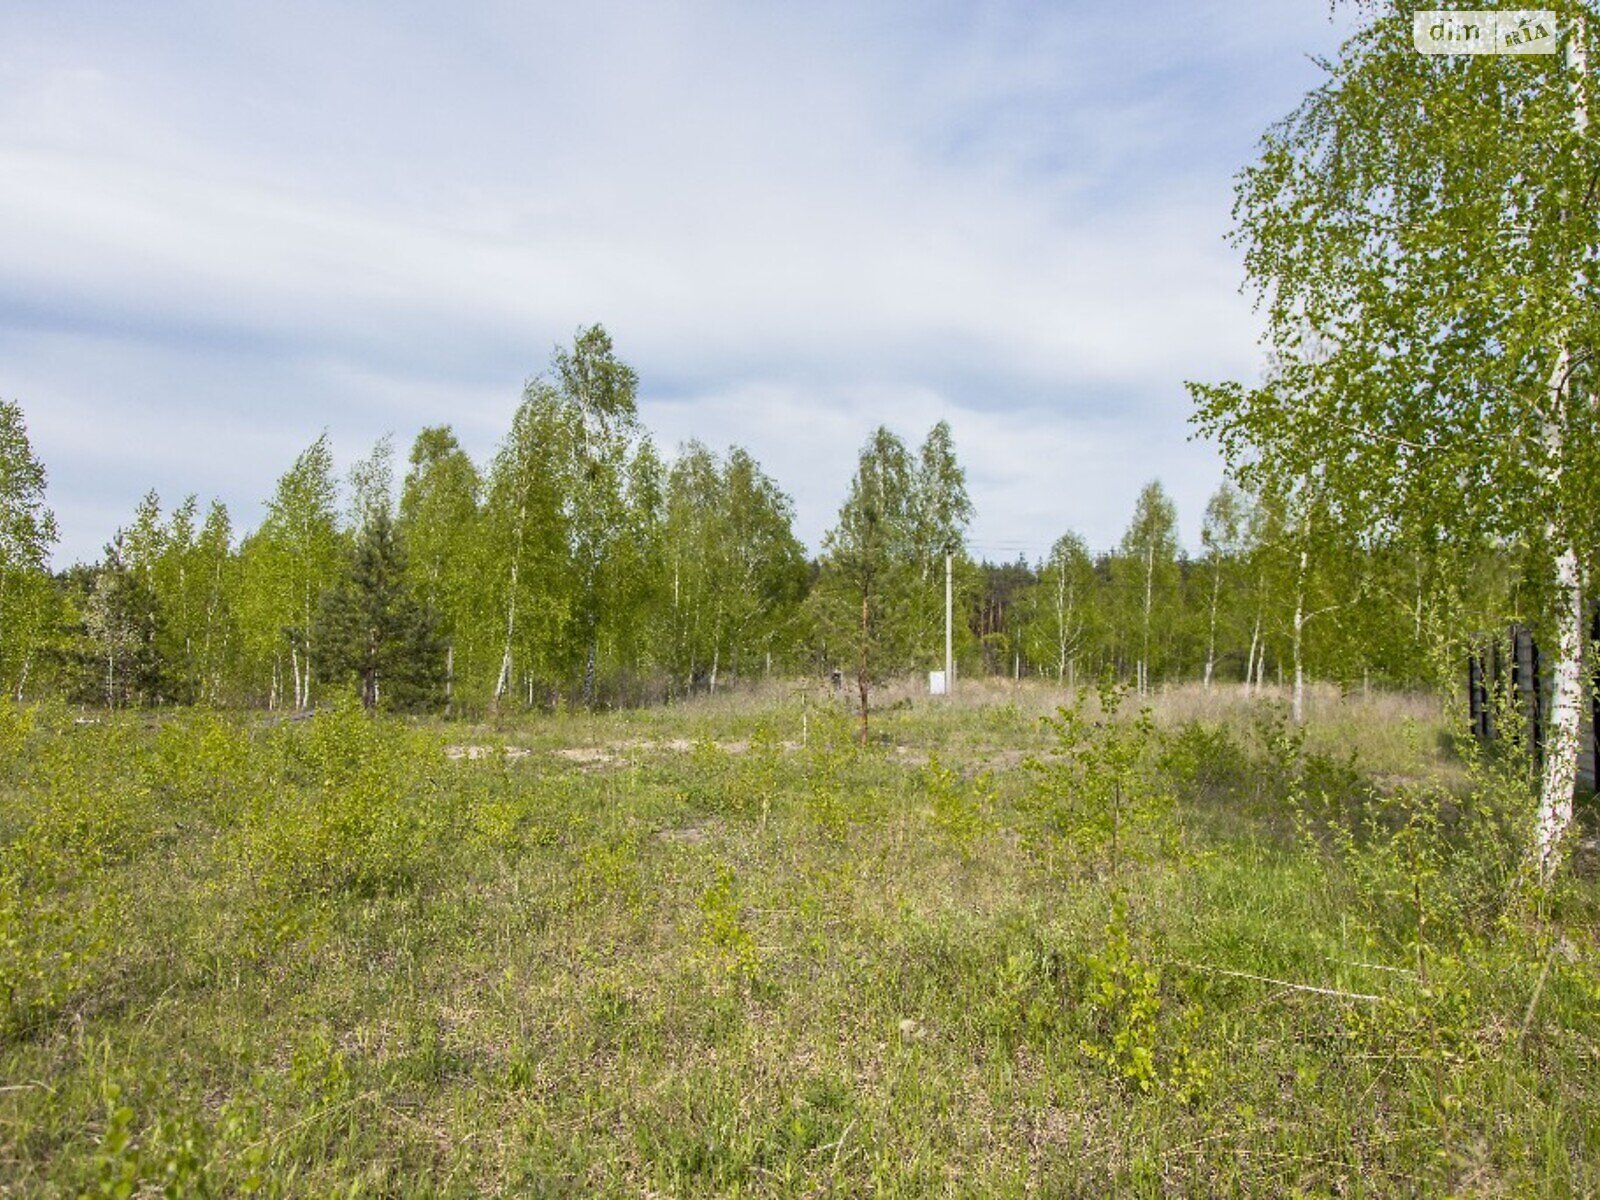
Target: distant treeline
577, 567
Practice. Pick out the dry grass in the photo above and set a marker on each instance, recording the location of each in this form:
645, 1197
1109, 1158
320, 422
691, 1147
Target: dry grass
735, 955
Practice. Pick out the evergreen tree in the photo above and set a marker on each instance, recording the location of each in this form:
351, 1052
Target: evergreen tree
373, 629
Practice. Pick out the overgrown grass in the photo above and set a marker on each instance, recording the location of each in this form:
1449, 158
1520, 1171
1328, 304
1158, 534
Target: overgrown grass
726, 952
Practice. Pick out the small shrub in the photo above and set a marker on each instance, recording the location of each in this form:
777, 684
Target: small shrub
1099, 792
358, 812
725, 940
960, 810
1124, 1009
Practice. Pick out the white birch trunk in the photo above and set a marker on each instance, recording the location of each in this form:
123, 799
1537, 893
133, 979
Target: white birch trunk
1566, 707
1061, 624
305, 687
1250, 662
1149, 600
1567, 692
503, 684
1211, 640
1298, 705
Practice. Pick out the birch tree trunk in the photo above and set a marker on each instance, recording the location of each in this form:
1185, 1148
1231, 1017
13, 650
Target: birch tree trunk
1211, 640
305, 689
1566, 698
1149, 599
1298, 706
1255, 640
503, 684
1061, 625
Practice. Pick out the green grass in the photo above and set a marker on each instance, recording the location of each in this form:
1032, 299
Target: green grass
728, 953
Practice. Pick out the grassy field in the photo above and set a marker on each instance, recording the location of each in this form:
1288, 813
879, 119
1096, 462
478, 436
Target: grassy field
717, 949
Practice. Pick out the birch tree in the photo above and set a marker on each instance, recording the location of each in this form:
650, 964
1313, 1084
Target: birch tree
598, 393
294, 555
1149, 555
27, 533
1433, 219
524, 584
440, 524
216, 575
1220, 535
939, 513
737, 572
1059, 609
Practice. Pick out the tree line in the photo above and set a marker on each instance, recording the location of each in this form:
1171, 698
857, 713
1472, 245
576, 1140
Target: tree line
576, 566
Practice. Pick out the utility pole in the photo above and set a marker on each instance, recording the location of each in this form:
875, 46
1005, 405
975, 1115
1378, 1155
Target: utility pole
949, 634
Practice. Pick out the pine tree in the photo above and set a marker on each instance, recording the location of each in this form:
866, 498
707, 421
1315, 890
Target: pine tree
372, 628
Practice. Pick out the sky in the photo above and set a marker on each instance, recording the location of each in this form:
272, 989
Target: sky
227, 228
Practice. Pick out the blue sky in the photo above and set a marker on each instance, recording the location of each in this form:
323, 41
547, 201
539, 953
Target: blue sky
228, 227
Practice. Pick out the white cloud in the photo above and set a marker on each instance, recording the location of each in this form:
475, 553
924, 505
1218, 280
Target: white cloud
227, 229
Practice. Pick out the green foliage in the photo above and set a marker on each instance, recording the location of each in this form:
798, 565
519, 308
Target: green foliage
440, 523
1206, 761
725, 938
27, 532
610, 870
1099, 793
881, 588
318, 956
961, 810
208, 767
355, 812
1145, 578
737, 572
372, 628
1432, 387
54, 939
1123, 1003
